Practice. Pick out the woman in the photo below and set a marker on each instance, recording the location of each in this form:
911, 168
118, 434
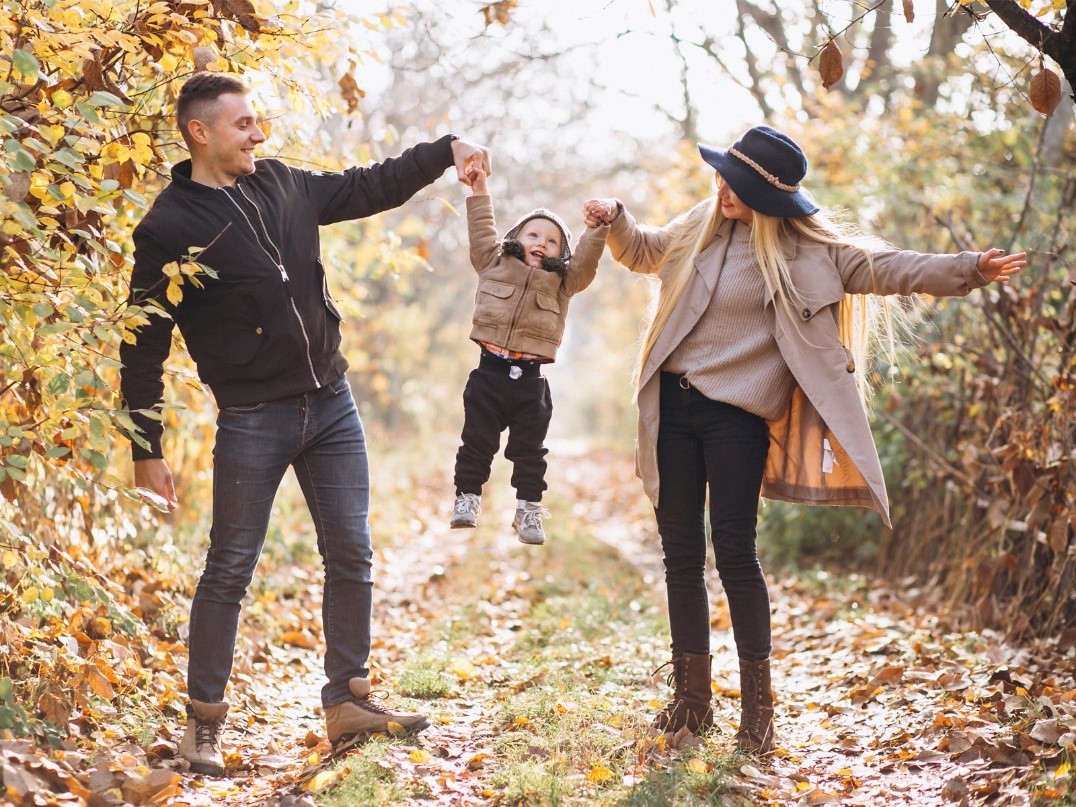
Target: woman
747, 384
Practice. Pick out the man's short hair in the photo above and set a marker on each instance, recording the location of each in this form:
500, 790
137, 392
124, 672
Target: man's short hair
199, 93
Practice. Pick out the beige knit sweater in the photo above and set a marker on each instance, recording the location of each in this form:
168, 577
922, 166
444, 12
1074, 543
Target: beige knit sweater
731, 354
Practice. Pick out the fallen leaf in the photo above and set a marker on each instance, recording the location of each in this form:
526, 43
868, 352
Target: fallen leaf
599, 773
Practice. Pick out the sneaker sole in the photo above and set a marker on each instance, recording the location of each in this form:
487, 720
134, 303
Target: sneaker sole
346, 741
530, 541
208, 770
458, 524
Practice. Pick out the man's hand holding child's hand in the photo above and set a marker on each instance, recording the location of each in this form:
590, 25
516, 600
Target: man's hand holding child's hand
476, 178
599, 212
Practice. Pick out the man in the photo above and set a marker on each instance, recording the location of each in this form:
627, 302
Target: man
264, 333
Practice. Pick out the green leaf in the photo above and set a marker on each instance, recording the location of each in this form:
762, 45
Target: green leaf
24, 216
69, 157
136, 198
16, 460
7, 687
105, 99
26, 63
24, 161
88, 112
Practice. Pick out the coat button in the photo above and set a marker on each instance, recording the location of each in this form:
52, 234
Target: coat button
806, 313
257, 330
851, 367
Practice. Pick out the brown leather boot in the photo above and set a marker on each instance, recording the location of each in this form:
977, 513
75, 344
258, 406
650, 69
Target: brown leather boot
200, 744
360, 716
756, 707
690, 704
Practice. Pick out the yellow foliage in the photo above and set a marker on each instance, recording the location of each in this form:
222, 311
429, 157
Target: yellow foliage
86, 103
599, 774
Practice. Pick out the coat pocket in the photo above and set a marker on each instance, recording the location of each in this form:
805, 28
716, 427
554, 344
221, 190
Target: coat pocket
247, 330
491, 304
545, 319
326, 296
224, 329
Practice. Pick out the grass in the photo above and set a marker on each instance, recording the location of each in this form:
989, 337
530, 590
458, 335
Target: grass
563, 641
365, 780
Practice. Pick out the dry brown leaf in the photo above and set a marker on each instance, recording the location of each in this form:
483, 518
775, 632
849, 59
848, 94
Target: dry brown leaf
56, 708
830, 64
98, 684
158, 785
1045, 91
204, 55
298, 638
350, 91
909, 11
91, 75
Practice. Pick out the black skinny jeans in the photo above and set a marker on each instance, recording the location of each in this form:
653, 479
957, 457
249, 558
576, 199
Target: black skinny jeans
708, 444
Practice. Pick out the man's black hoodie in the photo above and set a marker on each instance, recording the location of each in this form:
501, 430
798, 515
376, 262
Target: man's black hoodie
265, 327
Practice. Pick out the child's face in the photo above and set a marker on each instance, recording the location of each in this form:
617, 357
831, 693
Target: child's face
541, 238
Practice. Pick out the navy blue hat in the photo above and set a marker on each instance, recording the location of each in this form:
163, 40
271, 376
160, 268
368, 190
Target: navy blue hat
764, 168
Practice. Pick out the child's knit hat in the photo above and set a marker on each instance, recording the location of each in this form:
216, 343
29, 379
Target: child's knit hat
542, 213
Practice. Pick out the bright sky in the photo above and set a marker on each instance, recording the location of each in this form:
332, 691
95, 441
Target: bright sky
643, 64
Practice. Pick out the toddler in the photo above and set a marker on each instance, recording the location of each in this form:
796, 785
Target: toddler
524, 285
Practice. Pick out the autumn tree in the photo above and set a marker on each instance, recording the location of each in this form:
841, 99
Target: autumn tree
86, 93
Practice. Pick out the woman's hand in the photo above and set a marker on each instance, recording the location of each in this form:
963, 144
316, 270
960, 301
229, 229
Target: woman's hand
995, 265
598, 212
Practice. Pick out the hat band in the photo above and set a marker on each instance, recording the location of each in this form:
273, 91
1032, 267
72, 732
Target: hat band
766, 175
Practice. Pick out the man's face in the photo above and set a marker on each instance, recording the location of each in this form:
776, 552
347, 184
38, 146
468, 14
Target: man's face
232, 134
541, 238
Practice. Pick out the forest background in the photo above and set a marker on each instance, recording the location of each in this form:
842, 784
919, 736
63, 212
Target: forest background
939, 127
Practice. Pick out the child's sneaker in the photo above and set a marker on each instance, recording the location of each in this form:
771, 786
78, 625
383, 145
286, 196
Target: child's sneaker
528, 523
465, 511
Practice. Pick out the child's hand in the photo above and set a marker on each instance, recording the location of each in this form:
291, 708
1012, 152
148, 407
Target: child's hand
598, 212
476, 178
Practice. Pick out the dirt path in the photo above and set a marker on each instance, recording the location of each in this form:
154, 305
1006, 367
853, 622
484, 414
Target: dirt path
876, 704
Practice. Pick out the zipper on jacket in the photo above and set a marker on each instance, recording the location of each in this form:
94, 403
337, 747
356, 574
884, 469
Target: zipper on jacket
519, 306
279, 261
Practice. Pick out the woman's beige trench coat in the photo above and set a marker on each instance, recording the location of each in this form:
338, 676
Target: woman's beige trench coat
821, 451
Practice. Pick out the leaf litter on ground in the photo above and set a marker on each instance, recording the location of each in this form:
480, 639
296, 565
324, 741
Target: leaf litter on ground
538, 692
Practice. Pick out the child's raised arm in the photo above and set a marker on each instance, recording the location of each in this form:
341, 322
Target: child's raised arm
481, 227
477, 179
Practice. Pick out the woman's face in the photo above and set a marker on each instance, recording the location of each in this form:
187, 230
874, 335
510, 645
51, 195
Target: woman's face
731, 206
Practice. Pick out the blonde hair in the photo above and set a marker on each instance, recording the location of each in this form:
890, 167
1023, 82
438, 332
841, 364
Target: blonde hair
864, 321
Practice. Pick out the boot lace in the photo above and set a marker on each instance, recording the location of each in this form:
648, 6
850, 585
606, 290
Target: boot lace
207, 732
369, 705
668, 678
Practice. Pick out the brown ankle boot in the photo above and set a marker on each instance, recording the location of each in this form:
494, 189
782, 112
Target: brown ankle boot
756, 707
360, 716
690, 704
